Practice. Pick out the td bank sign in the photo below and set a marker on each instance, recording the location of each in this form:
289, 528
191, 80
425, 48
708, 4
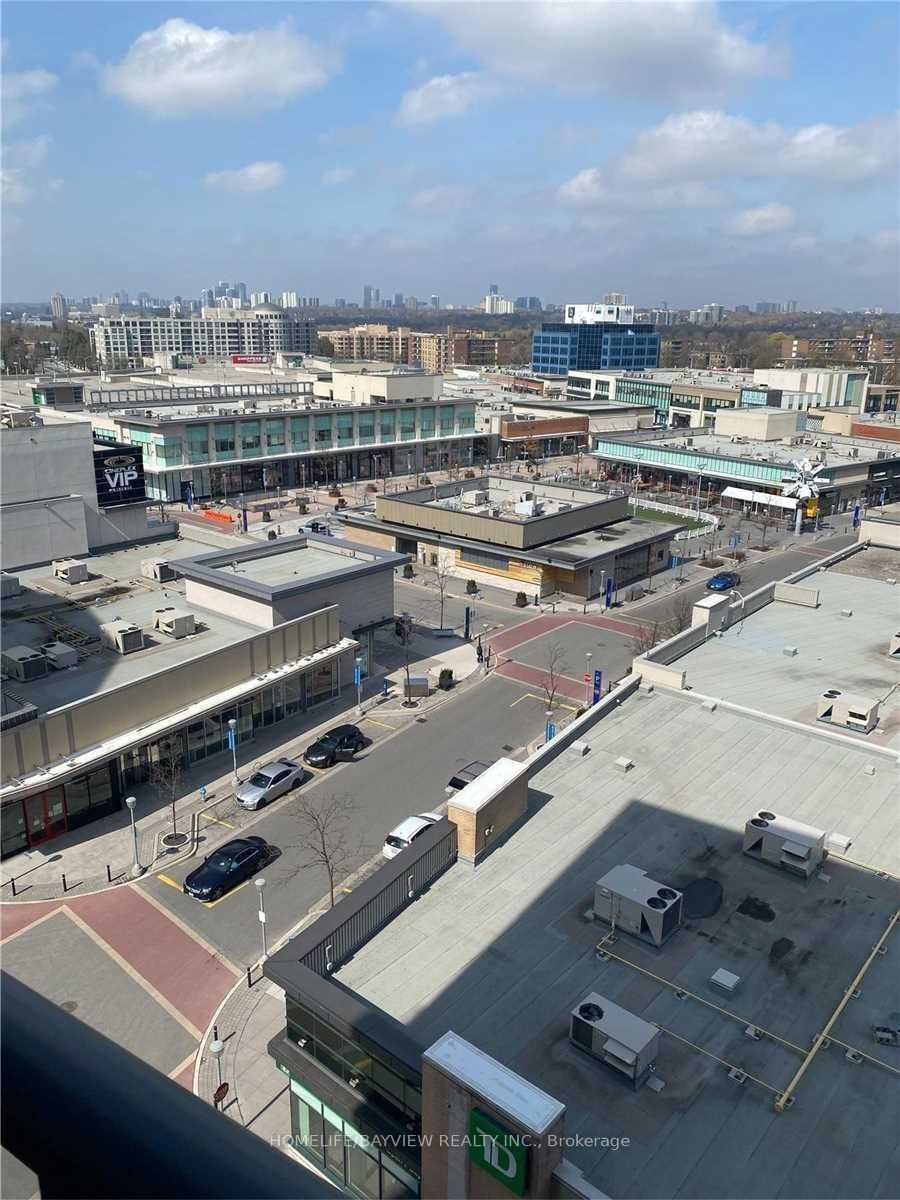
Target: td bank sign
502, 1154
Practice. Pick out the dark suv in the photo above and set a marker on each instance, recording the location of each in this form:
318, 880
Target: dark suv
335, 746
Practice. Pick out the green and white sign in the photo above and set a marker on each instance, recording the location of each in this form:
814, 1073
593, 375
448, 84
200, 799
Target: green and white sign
502, 1154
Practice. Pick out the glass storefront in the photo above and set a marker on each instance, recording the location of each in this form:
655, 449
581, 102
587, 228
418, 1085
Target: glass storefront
46, 815
351, 1159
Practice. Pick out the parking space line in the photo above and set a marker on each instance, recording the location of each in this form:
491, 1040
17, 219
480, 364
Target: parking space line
392, 728
543, 700
218, 821
227, 896
170, 882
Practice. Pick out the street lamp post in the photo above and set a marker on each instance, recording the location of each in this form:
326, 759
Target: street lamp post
136, 868
216, 1049
589, 678
232, 729
357, 675
700, 467
260, 888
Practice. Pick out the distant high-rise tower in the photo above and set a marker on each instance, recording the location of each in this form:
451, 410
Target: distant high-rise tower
493, 290
241, 289
58, 306
398, 299
221, 289
435, 302
367, 296
376, 297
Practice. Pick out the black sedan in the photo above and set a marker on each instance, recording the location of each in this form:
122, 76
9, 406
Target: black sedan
226, 867
334, 746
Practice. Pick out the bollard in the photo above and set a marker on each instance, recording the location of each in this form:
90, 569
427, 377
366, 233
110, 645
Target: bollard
108, 874
215, 1036
64, 881
13, 884
249, 980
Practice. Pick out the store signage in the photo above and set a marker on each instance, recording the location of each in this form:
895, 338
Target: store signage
249, 360
118, 474
502, 1154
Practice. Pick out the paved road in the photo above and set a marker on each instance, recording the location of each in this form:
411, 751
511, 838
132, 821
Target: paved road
662, 607
399, 775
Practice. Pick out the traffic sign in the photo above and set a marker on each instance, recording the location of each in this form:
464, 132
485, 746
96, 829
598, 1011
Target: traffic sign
220, 1093
551, 731
598, 686
232, 738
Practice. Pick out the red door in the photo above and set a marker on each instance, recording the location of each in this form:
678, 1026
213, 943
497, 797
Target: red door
45, 815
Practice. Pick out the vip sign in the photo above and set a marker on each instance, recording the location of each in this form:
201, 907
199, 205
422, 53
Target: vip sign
119, 474
502, 1154
120, 471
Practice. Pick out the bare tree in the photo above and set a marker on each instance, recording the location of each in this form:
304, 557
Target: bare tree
554, 669
442, 576
166, 776
645, 637
681, 610
403, 627
326, 838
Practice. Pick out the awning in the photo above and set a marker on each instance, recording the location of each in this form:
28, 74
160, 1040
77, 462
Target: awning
736, 493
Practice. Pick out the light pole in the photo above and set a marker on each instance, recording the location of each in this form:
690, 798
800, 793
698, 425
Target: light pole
216, 1049
357, 679
588, 677
260, 888
136, 868
232, 731
700, 467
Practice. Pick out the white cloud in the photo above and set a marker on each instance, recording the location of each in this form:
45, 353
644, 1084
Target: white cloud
440, 199
256, 177
181, 69
337, 175
443, 97
885, 239
594, 187
23, 170
754, 222
22, 90
655, 50
714, 144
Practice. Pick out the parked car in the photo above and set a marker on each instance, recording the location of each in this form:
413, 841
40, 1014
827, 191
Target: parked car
226, 867
316, 527
465, 775
337, 745
723, 581
407, 832
270, 782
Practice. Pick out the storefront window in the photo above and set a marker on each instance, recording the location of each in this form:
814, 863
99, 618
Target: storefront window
293, 696
250, 437
427, 422
323, 431
447, 419
198, 443
14, 836
407, 426
345, 429
275, 436
386, 427
225, 439
300, 433
321, 683
362, 1165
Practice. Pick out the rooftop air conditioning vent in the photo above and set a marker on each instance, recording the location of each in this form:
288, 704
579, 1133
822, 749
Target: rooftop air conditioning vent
655, 902
590, 1011
759, 823
615, 1037
23, 663
766, 816
630, 901
782, 842
667, 894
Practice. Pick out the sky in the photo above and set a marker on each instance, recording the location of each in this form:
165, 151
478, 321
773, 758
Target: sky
679, 152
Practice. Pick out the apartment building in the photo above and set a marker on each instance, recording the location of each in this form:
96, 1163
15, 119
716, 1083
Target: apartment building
370, 343
866, 346
130, 341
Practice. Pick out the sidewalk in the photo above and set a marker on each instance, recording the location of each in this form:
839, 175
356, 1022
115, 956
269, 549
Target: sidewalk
100, 855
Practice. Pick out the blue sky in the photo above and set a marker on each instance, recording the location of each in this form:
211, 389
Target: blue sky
678, 152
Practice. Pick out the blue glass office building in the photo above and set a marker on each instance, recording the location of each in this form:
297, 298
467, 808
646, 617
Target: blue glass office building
557, 348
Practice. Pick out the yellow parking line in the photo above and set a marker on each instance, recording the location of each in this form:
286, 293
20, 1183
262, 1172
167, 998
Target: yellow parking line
218, 820
227, 896
392, 728
170, 882
543, 700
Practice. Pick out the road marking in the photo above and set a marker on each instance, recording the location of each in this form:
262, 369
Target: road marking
210, 949
183, 1066
170, 882
134, 974
227, 896
543, 700
25, 928
392, 728
218, 821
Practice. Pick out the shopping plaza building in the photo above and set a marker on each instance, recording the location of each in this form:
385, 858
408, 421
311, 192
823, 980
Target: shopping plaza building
147, 653
347, 425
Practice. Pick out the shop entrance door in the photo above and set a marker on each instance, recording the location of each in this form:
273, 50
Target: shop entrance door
46, 816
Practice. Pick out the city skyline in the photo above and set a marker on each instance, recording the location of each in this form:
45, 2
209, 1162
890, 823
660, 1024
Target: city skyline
421, 147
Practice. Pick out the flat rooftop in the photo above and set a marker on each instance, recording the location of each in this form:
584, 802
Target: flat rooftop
301, 563
502, 954
609, 539
747, 664
49, 610
834, 451
507, 495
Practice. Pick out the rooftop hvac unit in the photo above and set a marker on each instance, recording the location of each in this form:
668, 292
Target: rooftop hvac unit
70, 570
23, 663
628, 900
121, 636
853, 452
59, 655
174, 621
158, 569
784, 843
474, 498
526, 508
615, 1037
858, 713
9, 585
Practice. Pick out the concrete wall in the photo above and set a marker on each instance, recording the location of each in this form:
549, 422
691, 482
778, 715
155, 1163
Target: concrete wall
880, 532
762, 424
43, 530
111, 714
793, 593
362, 602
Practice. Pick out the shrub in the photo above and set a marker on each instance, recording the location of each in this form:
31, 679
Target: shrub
445, 679
710, 562
469, 475
521, 600
342, 503
408, 571
334, 491
302, 508
471, 587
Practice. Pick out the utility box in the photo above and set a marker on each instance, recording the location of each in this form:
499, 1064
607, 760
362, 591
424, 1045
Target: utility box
121, 636
9, 585
617, 1038
71, 570
158, 569
176, 622
59, 655
628, 900
418, 686
859, 713
784, 843
23, 663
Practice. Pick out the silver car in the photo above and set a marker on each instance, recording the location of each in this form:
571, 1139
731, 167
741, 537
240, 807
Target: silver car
269, 782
